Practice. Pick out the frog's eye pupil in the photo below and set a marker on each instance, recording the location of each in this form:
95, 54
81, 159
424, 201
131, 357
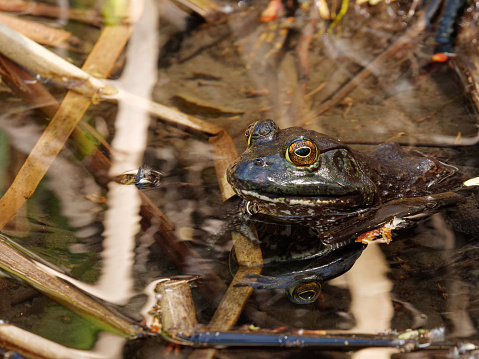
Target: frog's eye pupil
302, 152
307, 295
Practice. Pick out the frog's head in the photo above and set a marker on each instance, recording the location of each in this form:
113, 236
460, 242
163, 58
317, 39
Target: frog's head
297, 172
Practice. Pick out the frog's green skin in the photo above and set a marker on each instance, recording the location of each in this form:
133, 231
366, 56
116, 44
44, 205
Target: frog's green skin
334, 184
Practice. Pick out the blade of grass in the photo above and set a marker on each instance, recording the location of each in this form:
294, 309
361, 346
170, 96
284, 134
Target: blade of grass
42, 62
43, 279
31, 8
33, 346
40, 33
225, 153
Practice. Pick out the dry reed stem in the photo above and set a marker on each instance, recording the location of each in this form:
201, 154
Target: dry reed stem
40, 33
35, 347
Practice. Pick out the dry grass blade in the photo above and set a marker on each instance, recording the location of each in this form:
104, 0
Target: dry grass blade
167, 114
248, 254
42, 62
33, 346
46, 64
16, 263
40, 33
30, 8
225, 153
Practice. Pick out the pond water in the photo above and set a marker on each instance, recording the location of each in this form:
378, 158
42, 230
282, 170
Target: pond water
231, 73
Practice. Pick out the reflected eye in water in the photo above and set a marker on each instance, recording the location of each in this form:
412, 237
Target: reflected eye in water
305, 293
302, 152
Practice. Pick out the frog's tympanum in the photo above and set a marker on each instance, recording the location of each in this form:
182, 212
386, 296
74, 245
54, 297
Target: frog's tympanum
296, 179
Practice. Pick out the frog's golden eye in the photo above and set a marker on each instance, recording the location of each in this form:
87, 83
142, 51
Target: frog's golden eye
305, 293
302, 152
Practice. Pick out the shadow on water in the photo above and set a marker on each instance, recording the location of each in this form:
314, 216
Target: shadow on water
106, 237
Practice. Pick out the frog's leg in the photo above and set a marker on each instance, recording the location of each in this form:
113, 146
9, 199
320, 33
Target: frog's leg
236, 216
384, 216
246, 231
261, 281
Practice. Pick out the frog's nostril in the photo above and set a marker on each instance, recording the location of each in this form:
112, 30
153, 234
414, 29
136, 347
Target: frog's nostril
259, 162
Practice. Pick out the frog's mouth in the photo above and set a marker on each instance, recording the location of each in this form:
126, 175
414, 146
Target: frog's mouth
347, 201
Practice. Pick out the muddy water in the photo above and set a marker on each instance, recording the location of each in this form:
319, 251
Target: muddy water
231, 74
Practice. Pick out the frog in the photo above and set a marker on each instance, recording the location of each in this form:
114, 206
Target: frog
305, 177
313, 197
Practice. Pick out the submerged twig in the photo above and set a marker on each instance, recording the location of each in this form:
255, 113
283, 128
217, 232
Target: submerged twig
469, 76
407, 341
27, 87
